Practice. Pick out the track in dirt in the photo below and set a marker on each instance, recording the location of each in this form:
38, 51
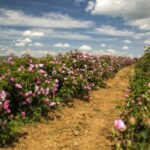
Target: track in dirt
84, 126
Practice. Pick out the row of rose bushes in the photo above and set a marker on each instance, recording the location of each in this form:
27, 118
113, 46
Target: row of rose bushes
30, 88
134, 128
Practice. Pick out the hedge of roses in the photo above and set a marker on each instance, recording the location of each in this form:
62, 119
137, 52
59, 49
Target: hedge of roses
134, 128
30, 88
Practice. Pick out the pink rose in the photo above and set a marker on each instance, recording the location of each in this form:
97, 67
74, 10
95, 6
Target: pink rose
30, 69
3, 95
18, 86
31, 65
12, 79
56, 80
6, 106
28, 100
42, 71
120, 125
8, 111
126, 95
52, 104
23, 114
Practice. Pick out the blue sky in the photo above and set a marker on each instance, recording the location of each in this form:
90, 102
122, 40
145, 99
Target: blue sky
120, 27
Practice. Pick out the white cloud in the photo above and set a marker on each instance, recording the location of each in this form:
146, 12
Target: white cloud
30, 33
19, 45
135, 12
104, 52
23, 42
98, 52
3, 47
41, 53
61, 45
139, 35
113, 31
90, 6
111, 51
128, 9
147, 42
36, 44
103, 45
6, 51
48, 20
35, 53
85, 48
8, 33
142, 24
125, 47
70, 35
127, 41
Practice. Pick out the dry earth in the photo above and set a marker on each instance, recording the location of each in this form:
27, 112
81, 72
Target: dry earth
82, 126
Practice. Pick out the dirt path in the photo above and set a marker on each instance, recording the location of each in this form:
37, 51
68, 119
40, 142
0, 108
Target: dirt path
84, 126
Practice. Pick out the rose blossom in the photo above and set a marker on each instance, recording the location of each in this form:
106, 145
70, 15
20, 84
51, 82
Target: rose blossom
52, 104
41, 65
21, 68
56, 80
120, 125
23, 114
3, 95
36, 88
42, 71
28, 100
30, 69
12, 79
6, 106
32, 65
18, 86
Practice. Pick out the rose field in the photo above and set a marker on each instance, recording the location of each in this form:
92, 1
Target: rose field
35, 89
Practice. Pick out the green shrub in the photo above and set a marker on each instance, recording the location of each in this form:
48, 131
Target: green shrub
137, 111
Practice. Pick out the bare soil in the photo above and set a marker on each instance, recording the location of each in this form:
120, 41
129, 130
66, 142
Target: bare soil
82, 125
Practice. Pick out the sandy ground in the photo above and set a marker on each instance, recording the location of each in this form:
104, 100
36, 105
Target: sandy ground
82, 125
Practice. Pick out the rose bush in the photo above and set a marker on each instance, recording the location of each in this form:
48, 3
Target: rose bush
137, 110
30, 88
